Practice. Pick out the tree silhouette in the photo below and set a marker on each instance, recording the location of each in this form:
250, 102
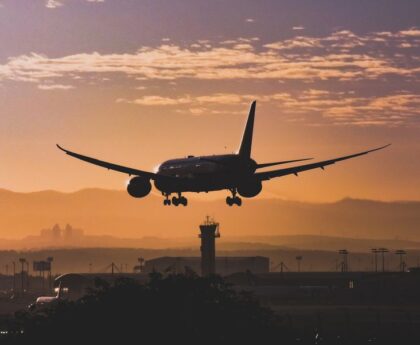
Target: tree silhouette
173, 308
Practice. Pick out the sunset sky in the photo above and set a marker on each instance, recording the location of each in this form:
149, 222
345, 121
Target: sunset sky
136, 82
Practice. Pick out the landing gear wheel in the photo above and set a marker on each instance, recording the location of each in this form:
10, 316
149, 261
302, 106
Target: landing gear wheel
233, 200
167, 201
175, 201
229, 201
237, 201
183, 201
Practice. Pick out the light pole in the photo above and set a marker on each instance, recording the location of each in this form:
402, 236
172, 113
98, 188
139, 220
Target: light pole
14, 276
22, 262
299, 259
375, 252
345, 264
383, 251
50, 259
401, 253
141, 264
27, 275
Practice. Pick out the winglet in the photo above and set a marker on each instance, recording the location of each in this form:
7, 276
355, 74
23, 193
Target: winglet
62, 149
378, 148
246, 144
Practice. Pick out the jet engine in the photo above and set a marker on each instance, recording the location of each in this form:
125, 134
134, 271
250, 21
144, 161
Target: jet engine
249, 189
139, 187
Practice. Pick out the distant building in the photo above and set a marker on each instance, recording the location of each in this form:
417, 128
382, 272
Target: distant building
225, 265
57, 234
71, 233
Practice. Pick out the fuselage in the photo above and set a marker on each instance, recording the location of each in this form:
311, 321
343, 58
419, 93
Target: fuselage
205, 173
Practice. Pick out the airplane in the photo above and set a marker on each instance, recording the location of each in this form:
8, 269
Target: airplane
45, 301
237, 173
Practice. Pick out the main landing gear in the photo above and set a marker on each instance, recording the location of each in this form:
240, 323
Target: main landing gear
179, 200
234, 200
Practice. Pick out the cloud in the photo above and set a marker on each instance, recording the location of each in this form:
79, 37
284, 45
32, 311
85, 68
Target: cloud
250, 20
332, 107
53, 4
300, 27
218, 98
330, 57
58, 3
296, 42
55, 87
382, 63
157, 100
412, 32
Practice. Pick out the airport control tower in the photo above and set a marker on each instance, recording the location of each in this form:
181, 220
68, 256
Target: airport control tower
209, 231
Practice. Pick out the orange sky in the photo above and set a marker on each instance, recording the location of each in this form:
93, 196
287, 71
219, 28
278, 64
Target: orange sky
136, 84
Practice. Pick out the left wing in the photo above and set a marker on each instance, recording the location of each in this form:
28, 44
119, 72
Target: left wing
112, 166
267, 175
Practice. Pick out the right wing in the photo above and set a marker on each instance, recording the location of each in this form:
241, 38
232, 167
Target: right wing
267, 175
111, 166
265, 165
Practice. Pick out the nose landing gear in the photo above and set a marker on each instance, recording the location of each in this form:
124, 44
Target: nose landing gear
234, 200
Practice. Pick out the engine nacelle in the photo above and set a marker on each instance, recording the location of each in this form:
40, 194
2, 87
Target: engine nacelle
139, 187
249, 189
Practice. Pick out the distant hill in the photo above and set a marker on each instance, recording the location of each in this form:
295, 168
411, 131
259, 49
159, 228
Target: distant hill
107, 212
225, 243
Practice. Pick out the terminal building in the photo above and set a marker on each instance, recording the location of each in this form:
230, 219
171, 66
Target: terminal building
224, 265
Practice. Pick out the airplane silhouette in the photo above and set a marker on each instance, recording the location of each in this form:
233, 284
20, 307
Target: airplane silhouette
234, 172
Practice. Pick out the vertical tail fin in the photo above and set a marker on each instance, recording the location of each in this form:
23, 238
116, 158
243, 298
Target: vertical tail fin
246, 144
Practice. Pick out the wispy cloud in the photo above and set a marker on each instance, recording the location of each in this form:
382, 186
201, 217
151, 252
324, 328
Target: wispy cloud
53, 3
58, 3
217, 99
338, 108
341, 60
55, 87
299, 27
412, 32
332, 57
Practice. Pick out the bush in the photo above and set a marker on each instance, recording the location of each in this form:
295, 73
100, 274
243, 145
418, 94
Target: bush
176, 308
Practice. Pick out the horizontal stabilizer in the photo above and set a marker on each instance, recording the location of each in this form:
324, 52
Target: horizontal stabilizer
265, 165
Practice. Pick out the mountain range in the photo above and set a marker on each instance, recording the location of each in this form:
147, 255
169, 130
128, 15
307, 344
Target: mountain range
113, 213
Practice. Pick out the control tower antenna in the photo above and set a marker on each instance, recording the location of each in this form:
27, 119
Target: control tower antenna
209, 231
